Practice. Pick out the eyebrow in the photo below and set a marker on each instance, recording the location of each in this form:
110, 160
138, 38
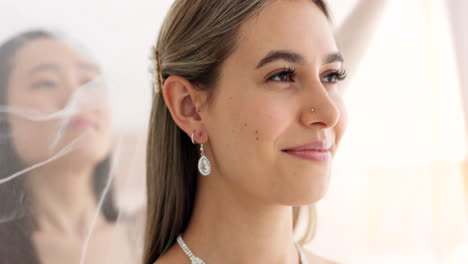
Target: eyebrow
334, 57
56, 68
294, 57
44, 67
89, 66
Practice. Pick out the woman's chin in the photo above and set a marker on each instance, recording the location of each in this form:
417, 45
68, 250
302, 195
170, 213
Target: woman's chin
307, 192
84, 153
306, 199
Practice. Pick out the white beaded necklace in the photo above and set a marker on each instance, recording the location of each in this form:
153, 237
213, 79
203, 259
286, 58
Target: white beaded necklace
196, 260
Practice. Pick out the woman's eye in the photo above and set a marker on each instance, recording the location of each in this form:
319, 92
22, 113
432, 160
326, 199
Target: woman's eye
45, 84
283, 76
85, 82
334, 77
330, 78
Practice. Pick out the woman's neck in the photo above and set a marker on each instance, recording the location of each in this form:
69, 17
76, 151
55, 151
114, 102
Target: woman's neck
227, 227
63, 200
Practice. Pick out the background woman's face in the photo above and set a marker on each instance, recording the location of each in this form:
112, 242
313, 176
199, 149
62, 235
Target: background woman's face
259, 110
45, 76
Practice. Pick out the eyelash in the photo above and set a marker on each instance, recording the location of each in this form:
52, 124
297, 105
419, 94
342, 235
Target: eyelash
290, 71
44, 84
340, 75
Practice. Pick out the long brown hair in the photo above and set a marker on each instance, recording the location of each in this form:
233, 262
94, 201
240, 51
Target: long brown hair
195, 38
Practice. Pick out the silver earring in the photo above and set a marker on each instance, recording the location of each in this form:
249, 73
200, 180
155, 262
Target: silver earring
204, 165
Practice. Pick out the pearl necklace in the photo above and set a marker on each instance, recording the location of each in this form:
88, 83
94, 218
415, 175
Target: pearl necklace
196, 260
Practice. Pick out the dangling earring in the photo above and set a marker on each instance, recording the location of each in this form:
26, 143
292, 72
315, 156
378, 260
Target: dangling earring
204, 165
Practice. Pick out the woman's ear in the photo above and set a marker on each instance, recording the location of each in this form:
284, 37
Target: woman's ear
181, 96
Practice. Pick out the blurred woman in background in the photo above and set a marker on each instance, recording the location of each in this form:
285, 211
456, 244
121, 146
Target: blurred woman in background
55, 127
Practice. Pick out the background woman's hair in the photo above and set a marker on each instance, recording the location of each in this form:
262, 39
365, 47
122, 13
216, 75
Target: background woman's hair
195, 39
17, 222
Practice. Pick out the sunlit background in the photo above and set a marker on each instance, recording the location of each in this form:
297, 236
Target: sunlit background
398, 193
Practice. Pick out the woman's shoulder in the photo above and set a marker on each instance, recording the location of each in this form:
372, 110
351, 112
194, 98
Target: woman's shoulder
173, 255
128, 229
316, 259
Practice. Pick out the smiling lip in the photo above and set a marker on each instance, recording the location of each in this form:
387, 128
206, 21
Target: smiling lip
81, 122
315, 151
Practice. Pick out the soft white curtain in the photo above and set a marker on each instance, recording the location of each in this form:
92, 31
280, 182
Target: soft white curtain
397, 193
459, 22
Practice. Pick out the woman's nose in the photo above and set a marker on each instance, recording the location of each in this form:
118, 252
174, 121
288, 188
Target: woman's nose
319, 107
73, 92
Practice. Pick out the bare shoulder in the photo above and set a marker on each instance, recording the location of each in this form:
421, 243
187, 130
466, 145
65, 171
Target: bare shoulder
316, 259
173, 256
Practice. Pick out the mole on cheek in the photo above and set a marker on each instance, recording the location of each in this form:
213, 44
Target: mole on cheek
256, 133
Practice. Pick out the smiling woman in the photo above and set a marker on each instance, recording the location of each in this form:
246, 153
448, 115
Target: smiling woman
244, 84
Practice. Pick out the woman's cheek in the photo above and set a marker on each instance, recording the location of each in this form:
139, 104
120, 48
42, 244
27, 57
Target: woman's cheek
37, 104
343, 121
265, 119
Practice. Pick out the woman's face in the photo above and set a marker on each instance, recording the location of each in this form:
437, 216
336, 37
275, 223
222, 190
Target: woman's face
260, 119
48, 76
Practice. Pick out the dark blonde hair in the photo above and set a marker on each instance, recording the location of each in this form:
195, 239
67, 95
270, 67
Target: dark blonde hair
195, 39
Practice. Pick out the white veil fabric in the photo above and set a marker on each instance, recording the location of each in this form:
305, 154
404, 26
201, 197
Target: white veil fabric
73, 137
71, 183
